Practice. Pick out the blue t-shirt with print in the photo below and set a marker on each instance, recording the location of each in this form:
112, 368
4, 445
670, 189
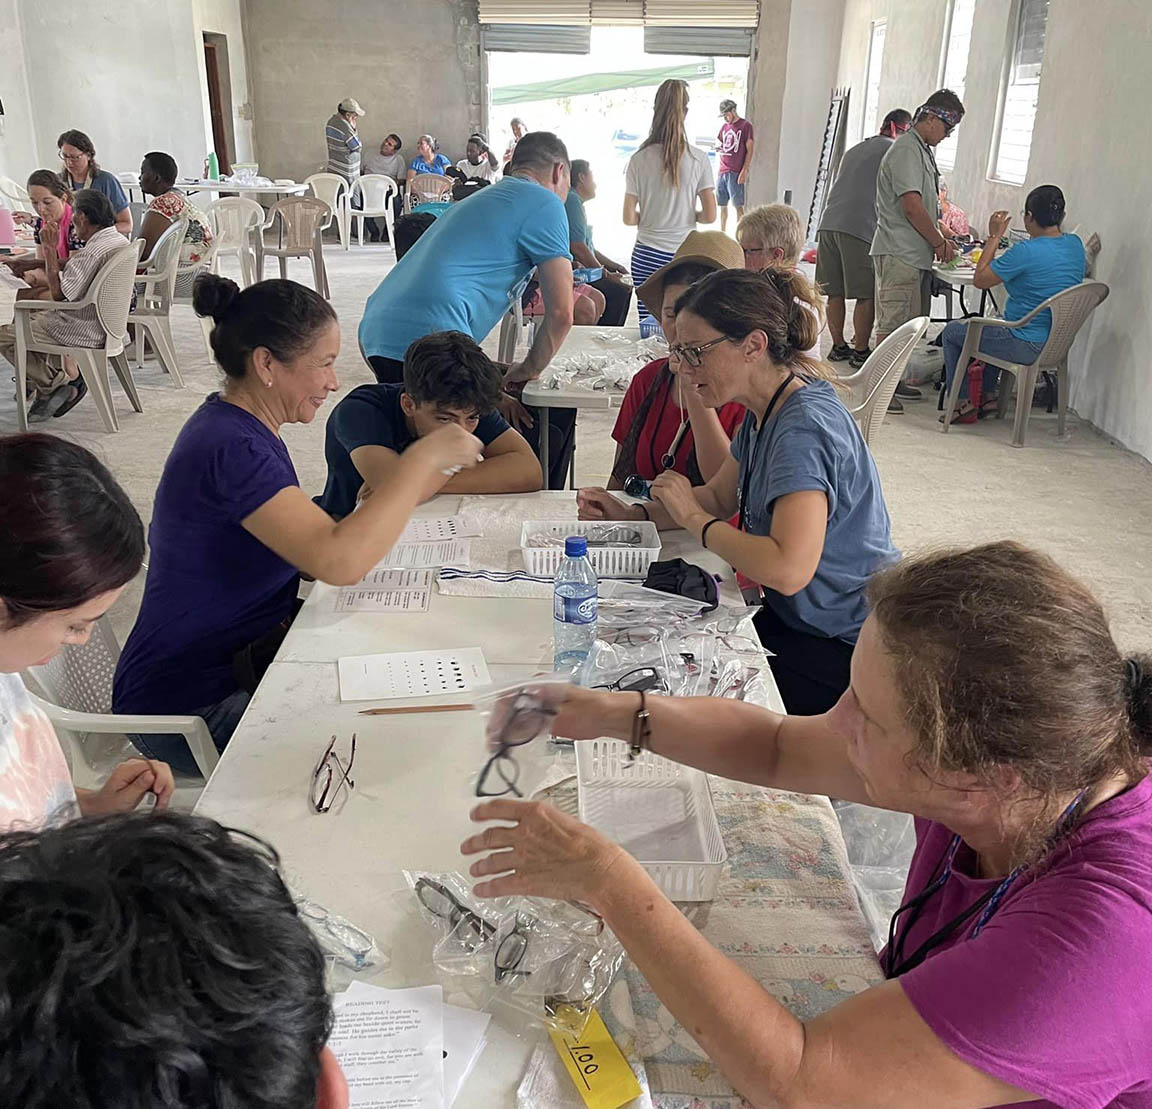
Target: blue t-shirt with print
578, 229
461, 274
1033, 271
812, 443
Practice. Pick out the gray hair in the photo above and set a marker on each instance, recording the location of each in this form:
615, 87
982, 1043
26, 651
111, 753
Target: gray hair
430, 140
95, 207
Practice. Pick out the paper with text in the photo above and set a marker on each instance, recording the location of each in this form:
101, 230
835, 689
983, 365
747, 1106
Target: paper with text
387, 591
412, 674
428, 555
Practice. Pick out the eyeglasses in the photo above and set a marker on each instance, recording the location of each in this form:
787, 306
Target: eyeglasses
643, 679
441, 902
331, 776
693, 356
527, 718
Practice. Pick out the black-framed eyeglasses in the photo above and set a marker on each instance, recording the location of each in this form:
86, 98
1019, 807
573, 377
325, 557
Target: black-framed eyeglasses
331, 777
693, 356
527, 718
644, 679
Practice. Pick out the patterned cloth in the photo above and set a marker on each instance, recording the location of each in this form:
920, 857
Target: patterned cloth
174, 205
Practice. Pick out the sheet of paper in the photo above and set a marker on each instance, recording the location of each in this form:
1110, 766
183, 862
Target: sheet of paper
412, 674
428, 555
423, 529
390, 1045
387, 591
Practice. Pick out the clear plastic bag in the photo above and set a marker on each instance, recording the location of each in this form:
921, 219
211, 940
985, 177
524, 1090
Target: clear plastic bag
342, 942
551, 960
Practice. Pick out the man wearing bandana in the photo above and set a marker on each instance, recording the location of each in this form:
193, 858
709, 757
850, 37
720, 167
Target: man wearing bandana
907, 240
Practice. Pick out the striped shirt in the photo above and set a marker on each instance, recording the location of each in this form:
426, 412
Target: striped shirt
83, 328
343, 148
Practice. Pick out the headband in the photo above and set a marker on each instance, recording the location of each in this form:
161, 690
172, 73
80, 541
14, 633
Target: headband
945, 115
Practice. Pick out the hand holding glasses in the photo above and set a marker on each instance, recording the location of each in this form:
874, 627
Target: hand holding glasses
518, 716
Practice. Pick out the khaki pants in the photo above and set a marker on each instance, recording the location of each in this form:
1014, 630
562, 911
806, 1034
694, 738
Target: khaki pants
42, 378
903, 292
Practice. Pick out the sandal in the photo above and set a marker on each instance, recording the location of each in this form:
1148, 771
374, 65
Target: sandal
989, 406
965, 414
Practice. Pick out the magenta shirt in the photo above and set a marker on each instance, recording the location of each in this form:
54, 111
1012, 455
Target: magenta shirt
734, 139
1055, 994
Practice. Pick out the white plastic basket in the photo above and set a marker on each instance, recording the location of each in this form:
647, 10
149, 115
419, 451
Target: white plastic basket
608, 562
660, 812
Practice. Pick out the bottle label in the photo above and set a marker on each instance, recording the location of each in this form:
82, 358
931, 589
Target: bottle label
574, 610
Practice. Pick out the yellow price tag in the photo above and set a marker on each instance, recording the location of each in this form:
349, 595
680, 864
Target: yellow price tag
597, 1066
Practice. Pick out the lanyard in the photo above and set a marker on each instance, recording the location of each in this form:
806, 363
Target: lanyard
755, 455
668, 458
895, 964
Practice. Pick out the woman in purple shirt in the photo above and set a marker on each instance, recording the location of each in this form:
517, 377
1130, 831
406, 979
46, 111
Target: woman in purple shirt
231, 528
989, 699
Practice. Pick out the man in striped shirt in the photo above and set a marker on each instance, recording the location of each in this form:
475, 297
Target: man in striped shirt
343, 142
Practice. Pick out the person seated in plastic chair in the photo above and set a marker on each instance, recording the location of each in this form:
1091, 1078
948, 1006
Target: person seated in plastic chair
150, 961
59, 391
448, 379
428, 159
1047, 263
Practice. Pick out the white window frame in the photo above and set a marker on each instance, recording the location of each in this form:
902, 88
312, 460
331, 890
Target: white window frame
872, 91
1017, 103
946, 151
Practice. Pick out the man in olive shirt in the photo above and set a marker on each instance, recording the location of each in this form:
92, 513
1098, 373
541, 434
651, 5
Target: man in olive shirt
907, 239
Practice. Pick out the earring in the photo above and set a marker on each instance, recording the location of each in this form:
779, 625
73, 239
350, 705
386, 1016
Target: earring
268, 383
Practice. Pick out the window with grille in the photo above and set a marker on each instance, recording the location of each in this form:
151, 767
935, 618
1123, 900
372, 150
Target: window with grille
1021, 87
954, 70
872, 81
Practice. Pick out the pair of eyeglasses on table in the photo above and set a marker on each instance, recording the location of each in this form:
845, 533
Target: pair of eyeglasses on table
332, 778
644, 679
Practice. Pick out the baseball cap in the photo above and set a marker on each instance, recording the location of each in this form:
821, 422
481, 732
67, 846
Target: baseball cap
350, 105
727, 106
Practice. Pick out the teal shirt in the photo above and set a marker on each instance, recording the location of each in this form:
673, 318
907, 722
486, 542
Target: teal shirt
578, 229
1033, 271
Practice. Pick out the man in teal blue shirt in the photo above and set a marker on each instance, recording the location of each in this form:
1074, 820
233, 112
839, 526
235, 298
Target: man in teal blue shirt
617, 293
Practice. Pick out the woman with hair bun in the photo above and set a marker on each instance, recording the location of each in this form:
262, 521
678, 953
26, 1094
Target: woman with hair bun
813, 523
1046, 263
232, 530
72, 541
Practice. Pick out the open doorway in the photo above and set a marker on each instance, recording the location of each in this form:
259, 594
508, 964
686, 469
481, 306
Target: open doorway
219, 98
604, 108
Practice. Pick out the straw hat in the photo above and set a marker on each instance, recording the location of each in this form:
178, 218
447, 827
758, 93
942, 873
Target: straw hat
711, 248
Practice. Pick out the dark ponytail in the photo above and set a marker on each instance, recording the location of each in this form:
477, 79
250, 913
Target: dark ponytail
70, 532
281, 316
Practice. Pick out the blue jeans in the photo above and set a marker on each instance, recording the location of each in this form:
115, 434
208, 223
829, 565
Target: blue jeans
999, 342
221, 719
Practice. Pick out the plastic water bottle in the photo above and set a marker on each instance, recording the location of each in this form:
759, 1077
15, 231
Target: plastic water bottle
574, 607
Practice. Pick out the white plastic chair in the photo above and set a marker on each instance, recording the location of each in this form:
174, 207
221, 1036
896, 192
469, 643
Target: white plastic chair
182, 290
874, 384
16, 196
512, 323
1069, 309
333, 190
235, 222
75, 693
376, 192
111, 295
303, 219
154, 288
423, 188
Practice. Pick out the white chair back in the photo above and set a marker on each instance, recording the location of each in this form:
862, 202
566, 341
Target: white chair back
875, 384
1070, 309
424, 188
163, 264
328, 187
79, 678
302, 217
16, 195
375, 191
111, 291
233, 219
186, 275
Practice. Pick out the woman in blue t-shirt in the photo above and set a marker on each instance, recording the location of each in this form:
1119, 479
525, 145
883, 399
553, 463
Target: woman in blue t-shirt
232, 530
1047, 263
813, 523
427, 159
78, 153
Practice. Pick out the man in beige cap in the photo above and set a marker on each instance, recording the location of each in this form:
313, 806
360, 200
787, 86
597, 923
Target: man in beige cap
343, 142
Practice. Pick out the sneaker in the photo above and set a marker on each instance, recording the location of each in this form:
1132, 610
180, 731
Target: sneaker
907, 392
859, 357
840, 353
895, 407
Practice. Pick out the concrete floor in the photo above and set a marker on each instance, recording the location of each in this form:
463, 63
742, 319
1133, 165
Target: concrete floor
1083, 500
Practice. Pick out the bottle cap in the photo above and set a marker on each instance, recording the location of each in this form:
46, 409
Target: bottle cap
575, 546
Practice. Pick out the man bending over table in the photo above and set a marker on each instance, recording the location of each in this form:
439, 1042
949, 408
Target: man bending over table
158, 959
447, 379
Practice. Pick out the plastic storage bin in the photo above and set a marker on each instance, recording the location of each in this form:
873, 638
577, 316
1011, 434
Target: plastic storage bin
608, 562
660, 812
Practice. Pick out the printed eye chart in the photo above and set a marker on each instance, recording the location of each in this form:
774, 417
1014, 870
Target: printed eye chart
412, 674
387, 591
423, 530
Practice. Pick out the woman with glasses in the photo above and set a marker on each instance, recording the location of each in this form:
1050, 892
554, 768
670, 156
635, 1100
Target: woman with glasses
989, 700
78, 154
663, 426
813, 526
669, 187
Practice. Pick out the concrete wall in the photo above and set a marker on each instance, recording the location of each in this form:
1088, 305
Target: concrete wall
136, 85
1095, 59
410, 75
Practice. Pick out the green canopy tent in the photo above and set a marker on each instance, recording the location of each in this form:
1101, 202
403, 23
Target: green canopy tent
601, 82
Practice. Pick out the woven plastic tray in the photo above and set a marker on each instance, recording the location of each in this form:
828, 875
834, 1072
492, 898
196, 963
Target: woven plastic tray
608, 562
660, 812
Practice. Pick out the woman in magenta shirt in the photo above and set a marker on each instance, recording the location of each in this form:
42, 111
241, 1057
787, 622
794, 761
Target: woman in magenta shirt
989, 700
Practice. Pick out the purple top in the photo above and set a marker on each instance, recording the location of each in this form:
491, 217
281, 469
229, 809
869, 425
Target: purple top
212, 588
1055, 994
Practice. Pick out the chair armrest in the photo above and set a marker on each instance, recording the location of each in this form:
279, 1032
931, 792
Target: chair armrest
47, 305
192, 728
